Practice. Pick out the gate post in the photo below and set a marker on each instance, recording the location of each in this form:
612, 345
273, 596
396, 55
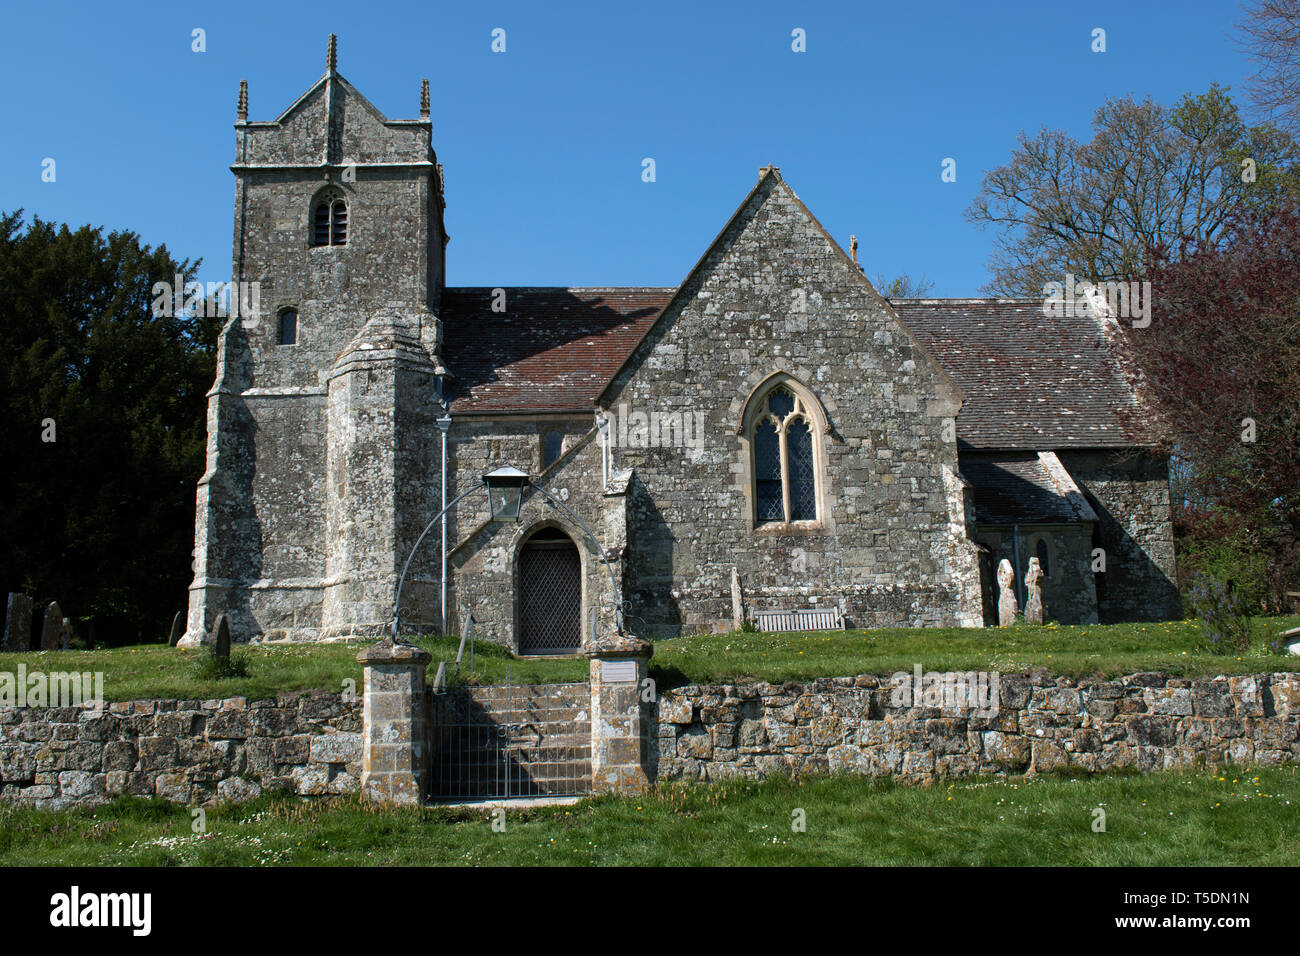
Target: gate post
395, 723
620, 742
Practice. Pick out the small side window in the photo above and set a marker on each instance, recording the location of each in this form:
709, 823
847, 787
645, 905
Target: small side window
288, 327
1040, 550
552, 447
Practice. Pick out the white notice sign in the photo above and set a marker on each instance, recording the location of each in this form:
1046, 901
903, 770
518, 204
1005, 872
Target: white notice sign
618, 672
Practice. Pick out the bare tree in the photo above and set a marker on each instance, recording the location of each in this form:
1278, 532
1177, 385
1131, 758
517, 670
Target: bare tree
1150, 177
1270, 32
902, 286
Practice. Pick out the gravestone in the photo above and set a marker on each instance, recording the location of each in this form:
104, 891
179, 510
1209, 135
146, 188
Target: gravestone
1007, 605
1034, 594
221, 643
52, 627
68, 633
18, 623
178, 629
737, 601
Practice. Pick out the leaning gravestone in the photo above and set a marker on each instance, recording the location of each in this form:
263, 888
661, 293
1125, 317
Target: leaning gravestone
1007, 596
178, 629
18, 623
52, 627
221, 646
1034, 595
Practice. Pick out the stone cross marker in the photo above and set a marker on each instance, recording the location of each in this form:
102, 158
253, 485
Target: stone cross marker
18, 623
1007, 605
221, 644
178, 629
1033, 593
52, 627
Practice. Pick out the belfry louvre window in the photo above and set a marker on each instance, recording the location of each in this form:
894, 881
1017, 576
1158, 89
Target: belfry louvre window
785, 472
330, 220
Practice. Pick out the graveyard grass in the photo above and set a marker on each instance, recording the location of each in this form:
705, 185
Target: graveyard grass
1240, 817
1175, 648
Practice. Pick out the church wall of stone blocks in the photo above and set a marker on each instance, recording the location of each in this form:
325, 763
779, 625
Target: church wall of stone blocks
771, 434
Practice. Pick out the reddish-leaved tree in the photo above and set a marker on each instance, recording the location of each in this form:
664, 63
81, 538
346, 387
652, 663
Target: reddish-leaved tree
1218, 375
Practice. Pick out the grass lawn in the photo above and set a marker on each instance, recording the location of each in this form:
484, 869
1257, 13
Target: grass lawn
154, 670
1174, 647
1228, 817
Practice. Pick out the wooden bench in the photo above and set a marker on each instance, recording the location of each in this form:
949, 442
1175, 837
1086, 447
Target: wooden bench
804, 619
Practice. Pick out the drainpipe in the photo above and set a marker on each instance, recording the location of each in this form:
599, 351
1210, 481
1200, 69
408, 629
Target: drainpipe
602, 423
444, 423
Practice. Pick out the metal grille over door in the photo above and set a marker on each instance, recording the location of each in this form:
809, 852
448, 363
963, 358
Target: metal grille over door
550, 595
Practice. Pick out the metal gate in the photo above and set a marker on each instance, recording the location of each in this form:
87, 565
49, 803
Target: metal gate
511, 741
550, 596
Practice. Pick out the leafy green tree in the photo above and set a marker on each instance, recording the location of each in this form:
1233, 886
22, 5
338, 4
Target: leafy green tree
1151, 176
102, 426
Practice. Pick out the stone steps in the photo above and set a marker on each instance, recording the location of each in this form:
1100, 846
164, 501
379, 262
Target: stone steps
549, 752
518, 735
486, 741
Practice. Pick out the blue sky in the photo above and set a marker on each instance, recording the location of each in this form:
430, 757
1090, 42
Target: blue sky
543, 144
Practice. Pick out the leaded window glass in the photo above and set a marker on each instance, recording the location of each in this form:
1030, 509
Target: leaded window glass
803, 493
767, 472
785, 461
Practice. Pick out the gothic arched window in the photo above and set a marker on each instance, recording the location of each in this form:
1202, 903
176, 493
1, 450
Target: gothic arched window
785, 459
329, 219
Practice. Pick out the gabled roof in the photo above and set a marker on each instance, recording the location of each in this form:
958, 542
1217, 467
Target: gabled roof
1015, 489
352, 91
551, 350
1031, 381
331, 124
769, 178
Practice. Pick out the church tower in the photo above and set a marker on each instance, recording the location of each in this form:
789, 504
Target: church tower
333, 379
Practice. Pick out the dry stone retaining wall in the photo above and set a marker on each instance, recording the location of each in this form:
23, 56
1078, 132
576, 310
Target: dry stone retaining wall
188, 751
311, 743
850, 724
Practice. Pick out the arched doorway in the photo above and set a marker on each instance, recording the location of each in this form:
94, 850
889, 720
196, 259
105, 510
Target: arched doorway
550, 594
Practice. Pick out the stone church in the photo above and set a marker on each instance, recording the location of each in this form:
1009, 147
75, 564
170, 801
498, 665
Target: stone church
771, 435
